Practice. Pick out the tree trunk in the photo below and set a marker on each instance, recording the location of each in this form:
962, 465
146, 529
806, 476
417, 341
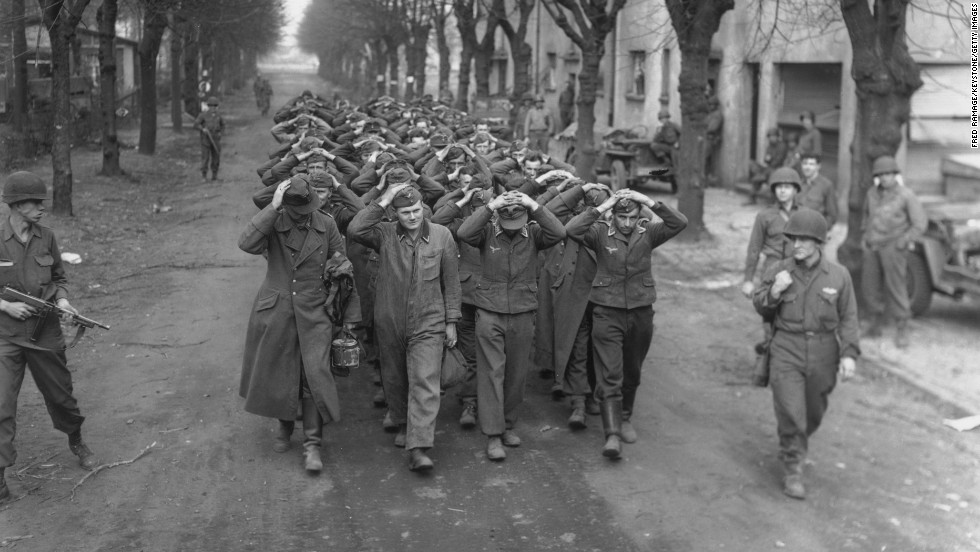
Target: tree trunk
588, 82
20, 66
393, 64
176, 45
442, 45
411, 63
191, 68
522, 56
250, 64
481, 69
61, 32
463, 84
694, 22
107, 86
380, 63
689, 171
154, 25
886, 77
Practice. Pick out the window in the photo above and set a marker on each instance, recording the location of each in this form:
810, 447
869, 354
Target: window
638, 60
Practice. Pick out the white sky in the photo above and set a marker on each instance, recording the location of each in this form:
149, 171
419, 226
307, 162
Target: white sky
294, 14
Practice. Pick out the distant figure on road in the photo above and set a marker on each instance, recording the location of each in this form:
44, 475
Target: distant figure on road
809, 142
211, 125
811, 301
776, 151
893, 220
666, 140
286, 366
539, 125
566, 105
714, 121
263, 94
818, 192
31, 254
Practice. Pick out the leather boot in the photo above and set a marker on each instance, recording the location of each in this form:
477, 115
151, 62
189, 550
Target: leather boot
591, 406
902, 334
612, 423
467, 420
627, 433
86, 458
793, 480
313, 434
577, 419
282, 443
419, 461
4, 490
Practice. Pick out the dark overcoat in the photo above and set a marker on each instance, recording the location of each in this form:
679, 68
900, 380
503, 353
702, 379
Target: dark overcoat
289, 328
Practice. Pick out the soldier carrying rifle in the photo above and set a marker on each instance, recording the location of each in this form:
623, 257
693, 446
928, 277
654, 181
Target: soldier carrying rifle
31, 262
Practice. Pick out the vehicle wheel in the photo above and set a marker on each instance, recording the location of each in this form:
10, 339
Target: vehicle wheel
617, 175
919, 283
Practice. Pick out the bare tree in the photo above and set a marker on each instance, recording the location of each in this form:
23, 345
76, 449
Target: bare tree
60, 18
154, 25
17, 13
521, 53
475, 51
440, 15
107, 14
591, 21
695, 23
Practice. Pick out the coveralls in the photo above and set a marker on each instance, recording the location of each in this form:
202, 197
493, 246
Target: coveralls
815, 326
417, 294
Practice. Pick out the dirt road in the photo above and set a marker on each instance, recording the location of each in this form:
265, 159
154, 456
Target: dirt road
703, 475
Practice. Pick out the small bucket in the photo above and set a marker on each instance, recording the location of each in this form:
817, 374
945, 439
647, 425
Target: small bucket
344, 355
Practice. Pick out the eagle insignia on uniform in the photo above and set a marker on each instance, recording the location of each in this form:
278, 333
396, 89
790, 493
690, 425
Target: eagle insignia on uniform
494, 249
830, 291
612, 249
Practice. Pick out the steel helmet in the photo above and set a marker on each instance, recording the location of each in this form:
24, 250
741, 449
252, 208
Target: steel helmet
22, 186
807, 223
884, 164
785, 175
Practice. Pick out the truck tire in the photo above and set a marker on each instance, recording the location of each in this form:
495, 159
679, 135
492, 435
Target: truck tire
919, 283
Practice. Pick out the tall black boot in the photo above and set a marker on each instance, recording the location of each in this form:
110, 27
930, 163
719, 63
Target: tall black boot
313, 433
612, 424
4, 491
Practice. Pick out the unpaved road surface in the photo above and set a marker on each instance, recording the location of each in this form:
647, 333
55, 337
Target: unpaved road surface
884, 474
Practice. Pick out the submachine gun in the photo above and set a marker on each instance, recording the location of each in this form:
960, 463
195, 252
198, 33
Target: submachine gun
44, 308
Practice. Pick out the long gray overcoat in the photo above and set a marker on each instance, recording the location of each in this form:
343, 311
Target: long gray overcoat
289, 326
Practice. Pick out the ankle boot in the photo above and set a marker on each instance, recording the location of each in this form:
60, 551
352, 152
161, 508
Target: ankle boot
4, 491
591, 406
627, 433
612, 425
86, 458
313, 432
577, 419
282, 443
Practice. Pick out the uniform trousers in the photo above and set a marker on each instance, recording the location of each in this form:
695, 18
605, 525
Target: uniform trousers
503, 355
620, 341
210, 155
538, 140
466, 341
883, 281
410, 370
803, 372
576, 381
50, 372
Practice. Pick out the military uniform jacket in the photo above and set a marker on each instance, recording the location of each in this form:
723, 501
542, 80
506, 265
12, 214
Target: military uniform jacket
820, 195
212, 122
452, 216
289, 327
820, 300
508, 282
624, 278
892, 216
767, 237
34, 268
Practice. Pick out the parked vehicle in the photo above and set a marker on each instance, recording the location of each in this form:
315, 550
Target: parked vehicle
946, 260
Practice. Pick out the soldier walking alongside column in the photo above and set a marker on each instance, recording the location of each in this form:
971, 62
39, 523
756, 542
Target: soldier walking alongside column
211, 125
